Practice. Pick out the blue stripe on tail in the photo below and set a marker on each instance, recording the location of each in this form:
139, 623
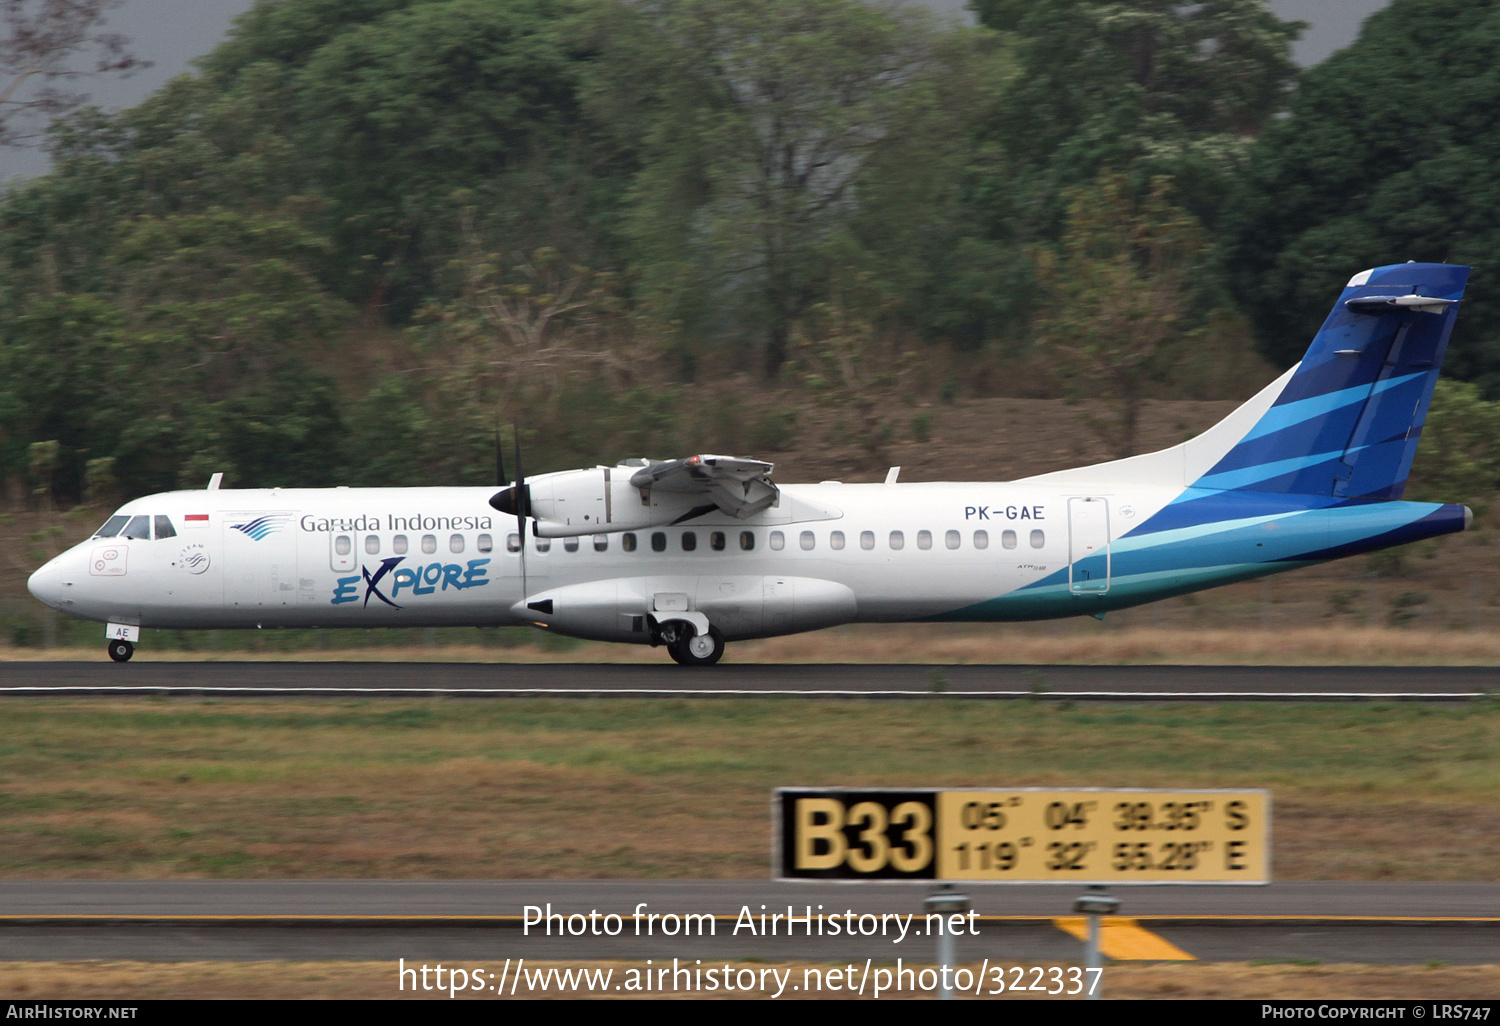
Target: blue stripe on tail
1347, 424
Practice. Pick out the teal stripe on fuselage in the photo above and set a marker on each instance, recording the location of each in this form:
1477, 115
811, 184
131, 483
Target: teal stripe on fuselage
1174, 562
1050, 600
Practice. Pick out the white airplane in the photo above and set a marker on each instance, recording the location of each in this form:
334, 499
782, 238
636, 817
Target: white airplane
693, 553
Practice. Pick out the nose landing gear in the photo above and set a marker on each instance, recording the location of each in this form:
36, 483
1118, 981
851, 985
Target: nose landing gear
120, 651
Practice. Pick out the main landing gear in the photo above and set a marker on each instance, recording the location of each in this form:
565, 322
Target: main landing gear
120, 651
691, 649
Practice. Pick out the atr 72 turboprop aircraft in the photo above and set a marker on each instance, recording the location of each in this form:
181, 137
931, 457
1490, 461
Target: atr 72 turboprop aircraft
695, 552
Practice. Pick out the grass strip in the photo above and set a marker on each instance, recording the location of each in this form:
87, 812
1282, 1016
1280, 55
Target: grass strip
679, 788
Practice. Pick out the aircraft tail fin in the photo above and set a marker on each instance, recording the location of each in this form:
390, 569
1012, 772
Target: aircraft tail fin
1346, 420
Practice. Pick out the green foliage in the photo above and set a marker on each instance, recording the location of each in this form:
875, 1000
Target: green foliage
1118, 298
395, 113
193, 360
921, 427
854, 368
1389, 155
1146, 87
1405, 608
762, 127
1458, 459
369, 233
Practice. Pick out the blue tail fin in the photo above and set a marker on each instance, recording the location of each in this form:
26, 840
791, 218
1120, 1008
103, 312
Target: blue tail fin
1348, 421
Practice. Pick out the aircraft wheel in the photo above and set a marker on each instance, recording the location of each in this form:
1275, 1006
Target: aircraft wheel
121, 651
700, 649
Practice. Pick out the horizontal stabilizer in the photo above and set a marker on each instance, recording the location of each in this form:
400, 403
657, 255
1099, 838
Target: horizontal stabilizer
1395, 304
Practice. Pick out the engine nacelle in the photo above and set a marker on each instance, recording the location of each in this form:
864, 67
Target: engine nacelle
597, 501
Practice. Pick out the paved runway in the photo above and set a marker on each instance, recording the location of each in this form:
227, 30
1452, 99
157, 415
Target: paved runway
20, 679
178, 920
482, 898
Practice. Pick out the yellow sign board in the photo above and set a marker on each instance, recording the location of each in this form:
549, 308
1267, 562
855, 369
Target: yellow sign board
1023, 835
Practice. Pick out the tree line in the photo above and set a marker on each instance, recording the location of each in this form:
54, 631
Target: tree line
363, 236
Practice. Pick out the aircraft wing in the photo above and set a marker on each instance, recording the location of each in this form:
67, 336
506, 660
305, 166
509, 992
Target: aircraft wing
740, 488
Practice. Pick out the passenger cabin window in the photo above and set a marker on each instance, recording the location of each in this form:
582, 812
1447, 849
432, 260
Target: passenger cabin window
544, 544
512, 542
924, 539
342, 545
898, 540
569, 544
981, 539
658, 541
372, 544
867, 539
953, 539
485, 543
1008, 539
778, 541
111, 526
429, 544
836, 540
747, 540
1038, 539
164, 528
807, 541
601, 542
139, 529
455, 543
689, 541
716, 541
627, 541
399, 544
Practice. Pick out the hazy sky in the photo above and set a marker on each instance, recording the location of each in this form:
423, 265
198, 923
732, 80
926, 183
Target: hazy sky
170, 33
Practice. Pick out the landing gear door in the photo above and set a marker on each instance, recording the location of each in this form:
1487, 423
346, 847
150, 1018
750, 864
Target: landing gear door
1088, 545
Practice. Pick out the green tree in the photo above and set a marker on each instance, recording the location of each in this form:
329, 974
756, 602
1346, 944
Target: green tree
200, 355
1459, 456
396, 113
1119, 298
755, 122
1146, 87
1389, 154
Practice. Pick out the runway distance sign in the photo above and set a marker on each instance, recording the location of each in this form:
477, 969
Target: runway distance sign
1023, 835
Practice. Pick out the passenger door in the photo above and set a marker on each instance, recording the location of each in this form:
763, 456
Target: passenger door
1088, 545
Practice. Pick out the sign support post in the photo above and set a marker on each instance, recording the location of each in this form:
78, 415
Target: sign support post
1094, 903
945, 901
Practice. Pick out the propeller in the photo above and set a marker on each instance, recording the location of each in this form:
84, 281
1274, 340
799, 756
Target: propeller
515, 500
522, 496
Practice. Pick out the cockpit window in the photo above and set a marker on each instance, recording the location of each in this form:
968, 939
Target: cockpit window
164, 528
111, 526
138, 529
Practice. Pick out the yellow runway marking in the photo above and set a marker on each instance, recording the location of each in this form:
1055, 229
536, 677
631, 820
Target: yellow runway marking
1124, 939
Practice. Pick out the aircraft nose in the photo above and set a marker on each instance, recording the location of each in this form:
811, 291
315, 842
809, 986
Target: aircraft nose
46, 584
